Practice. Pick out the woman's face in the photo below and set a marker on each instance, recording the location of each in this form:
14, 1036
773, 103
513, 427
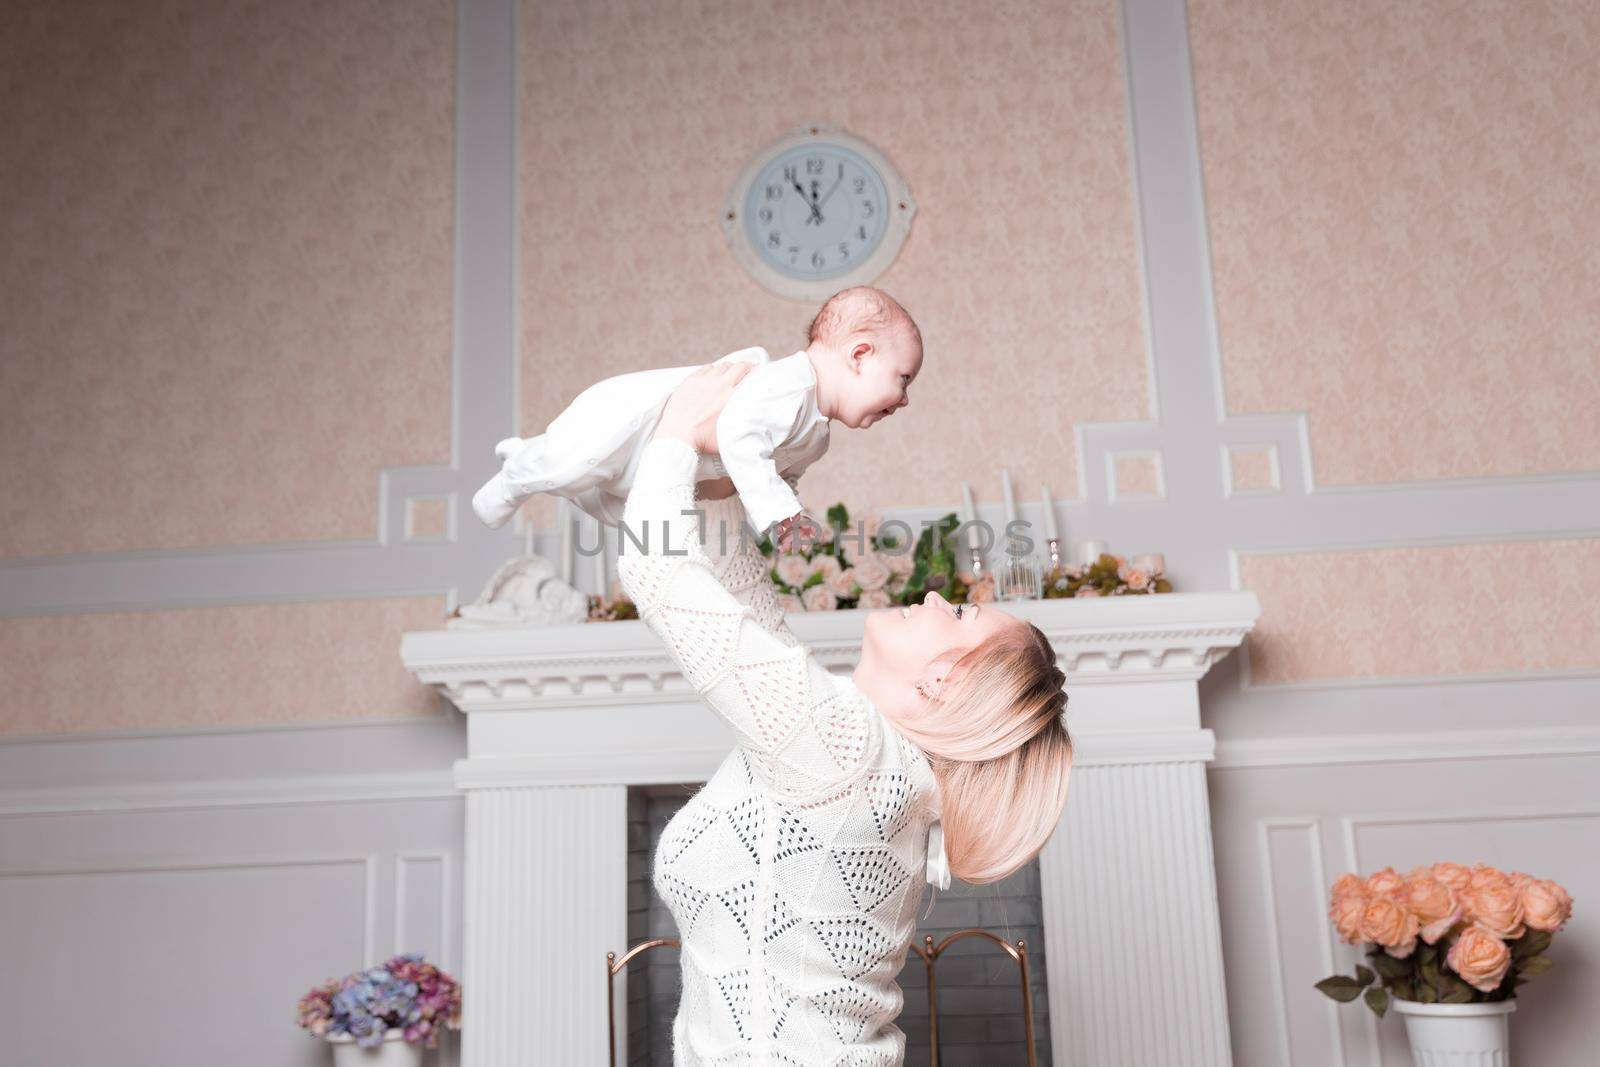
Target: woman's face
898, 644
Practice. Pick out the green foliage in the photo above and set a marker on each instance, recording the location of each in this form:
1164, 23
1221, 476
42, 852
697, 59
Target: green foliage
1377, 999
1341, 988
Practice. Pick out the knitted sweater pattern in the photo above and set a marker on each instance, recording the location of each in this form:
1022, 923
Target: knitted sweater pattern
795, 874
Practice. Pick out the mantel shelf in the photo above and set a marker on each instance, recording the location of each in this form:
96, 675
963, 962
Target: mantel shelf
1116, 640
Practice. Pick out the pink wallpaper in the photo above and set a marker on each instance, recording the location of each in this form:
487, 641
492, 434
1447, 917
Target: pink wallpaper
226, 286
259, 663
1020, 268
1411, 612
1405, 213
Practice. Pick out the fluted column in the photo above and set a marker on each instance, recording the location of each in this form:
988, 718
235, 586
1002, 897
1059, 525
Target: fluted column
545, 900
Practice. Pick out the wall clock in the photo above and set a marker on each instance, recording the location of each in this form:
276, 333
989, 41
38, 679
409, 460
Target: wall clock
818, 211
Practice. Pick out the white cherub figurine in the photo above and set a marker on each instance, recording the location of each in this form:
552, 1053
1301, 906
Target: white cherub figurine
863, 351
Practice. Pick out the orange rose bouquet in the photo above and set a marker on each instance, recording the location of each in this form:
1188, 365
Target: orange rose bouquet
1444, 934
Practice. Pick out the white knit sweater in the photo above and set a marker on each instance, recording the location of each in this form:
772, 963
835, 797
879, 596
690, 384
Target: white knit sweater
795, 874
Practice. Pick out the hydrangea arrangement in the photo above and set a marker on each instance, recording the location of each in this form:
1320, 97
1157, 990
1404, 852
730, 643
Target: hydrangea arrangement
403, 992
1444, 934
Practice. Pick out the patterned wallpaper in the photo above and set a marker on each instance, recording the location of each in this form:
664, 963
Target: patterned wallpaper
226, 285
1413, 612
1021, 266
1405, 216
258, 663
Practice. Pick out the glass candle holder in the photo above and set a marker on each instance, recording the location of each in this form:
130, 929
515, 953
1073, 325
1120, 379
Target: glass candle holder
1017, 578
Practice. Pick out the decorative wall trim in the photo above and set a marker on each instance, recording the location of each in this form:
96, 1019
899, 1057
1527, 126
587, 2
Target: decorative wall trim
234, 793
1264, 829
1451, 745
367, 860
402, 863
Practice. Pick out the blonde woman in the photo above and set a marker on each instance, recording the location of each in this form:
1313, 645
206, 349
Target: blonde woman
795, 874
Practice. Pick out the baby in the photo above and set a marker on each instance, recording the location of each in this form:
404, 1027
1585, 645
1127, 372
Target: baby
863, 351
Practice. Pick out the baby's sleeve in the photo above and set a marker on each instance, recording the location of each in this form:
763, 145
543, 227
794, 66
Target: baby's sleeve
752, 425
802, 728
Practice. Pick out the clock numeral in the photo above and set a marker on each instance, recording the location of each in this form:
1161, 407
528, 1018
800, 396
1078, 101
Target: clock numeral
861, 232
774, 239
814, 165
867, 209
844, 250
765, 214
817, 260
860, 185
794, 253
791, 173
774, 192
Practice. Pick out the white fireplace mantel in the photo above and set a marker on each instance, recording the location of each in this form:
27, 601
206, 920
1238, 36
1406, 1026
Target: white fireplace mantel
562, 719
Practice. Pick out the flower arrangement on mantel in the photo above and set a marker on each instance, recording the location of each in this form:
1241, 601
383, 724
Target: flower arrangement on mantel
404, 992
1444, 934
868, 566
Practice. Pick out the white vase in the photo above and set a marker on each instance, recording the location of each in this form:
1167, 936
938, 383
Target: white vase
1458, 1035
395, 1051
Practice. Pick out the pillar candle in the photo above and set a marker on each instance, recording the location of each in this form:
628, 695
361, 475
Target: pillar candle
1010, 497
1049, 515
564, 521
601, 563
969, 514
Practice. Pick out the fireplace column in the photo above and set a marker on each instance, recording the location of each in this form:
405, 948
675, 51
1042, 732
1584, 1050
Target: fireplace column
546, 899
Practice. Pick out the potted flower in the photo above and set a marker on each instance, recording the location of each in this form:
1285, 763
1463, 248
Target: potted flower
1449, 945
384, 1015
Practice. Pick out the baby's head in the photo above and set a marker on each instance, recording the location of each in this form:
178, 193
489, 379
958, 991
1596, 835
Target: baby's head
866, 351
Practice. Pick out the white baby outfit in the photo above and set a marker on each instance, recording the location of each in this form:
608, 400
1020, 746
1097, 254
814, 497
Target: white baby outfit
795, 874
769, 432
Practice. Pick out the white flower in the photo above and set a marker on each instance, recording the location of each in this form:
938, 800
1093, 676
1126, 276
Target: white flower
843, 582
819, 598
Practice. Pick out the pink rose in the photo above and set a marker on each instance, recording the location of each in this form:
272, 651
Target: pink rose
1347, 884
793, 569
790, 602
1453, 875
983, 592
1386, 883
1086, 590
871, 523
1485, 875
1346, 911
1497, 907
1386, 922
1519, 879
1075, 571
1546, 905
871, 572
842, 582
1435, 906
1480, 958
1152, 563
819, 598
1137, 579
825, 565
901, 563
874, 598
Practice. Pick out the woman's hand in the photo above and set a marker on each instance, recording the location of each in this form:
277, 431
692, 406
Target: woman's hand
692, 409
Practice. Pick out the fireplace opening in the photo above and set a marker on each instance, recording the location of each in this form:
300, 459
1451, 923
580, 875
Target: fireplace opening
980, 1004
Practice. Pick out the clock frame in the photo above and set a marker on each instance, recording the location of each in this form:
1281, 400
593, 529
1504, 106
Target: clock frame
777, 248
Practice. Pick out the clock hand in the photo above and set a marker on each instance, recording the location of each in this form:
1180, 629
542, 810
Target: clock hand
836, 182
808, 201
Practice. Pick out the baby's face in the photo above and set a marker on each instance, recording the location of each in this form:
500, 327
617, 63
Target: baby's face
879, 389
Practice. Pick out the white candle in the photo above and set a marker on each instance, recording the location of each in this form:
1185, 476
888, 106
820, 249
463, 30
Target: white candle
1089, 552
1049, 515
601, 577
564, 521
969, 516
1010, 497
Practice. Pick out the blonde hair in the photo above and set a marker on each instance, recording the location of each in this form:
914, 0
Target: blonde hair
864, 307
999, 748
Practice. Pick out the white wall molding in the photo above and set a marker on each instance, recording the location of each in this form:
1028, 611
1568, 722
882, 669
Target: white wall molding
1445, 745
227, 793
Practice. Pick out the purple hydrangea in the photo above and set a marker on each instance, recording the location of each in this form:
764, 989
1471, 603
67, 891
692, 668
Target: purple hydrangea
404, 991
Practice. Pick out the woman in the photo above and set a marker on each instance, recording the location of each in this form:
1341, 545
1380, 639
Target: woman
795, 874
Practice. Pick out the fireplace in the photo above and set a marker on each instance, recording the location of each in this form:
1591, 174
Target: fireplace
563, 721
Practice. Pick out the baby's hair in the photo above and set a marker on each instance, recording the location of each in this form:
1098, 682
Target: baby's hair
861, 307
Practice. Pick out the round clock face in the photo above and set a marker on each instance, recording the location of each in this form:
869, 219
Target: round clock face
817, 211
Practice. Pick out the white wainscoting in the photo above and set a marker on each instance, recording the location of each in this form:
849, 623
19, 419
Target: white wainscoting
176, 923
1289, 816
